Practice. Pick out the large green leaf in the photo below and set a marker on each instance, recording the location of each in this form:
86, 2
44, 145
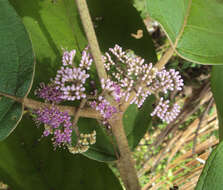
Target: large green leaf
10, 116
217, 90
28, 163
211, 177
16, 67
52, 26
194, 27
137, 121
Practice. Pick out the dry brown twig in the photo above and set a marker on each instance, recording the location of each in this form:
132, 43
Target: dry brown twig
210, 104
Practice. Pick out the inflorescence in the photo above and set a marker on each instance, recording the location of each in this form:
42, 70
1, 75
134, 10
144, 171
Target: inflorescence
127, 73
132, 74
57, 123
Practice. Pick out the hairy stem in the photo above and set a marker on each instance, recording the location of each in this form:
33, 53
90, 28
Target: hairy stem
91, 36
125, 162
165, 58
33, 104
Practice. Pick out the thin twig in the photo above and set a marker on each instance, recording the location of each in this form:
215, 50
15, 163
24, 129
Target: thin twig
33, 104
210, 103
77, 116
91, 36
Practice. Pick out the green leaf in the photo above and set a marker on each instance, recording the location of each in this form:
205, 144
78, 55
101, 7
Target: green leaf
102, 150
137, 121
194, 28
211, 176
10, 116
52, 27
16, 67
115, 22
27, 163
217, 90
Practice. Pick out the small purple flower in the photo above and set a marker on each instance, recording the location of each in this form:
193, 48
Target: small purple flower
68, 57
49, 93
86, 59
166, 112
167, 81
163, 82
113, 88
56, 123
71, 82
46, 132
140, 97
177, 80
104, 107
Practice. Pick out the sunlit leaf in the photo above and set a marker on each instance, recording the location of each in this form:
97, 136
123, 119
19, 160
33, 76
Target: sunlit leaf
194, 28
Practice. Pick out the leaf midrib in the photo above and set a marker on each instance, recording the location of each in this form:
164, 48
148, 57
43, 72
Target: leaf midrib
183, 26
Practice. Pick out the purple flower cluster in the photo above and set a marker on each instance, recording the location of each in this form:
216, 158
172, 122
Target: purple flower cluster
141, 95
70, 80
166, 112
128, 70
127, 73
112, 87
57, 123
68, 57
146, 75
104, 107
167, 81
86, 59
177, 80
67, 85
49, 93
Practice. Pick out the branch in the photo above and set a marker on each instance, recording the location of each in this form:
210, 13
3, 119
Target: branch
165, 58
125, 161
91, 36
77, 115
210, 103
33, 104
